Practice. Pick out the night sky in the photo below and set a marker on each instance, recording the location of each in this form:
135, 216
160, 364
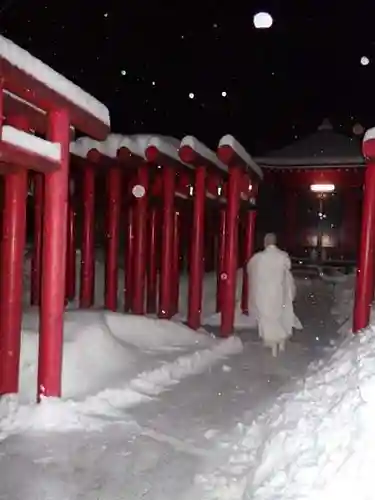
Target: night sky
144, 58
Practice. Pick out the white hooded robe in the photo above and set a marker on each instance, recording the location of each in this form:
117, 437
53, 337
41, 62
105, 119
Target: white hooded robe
272, 291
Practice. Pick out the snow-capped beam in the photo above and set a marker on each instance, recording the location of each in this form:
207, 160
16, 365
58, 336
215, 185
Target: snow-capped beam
163, 152
194, 152
232, 153
28, 151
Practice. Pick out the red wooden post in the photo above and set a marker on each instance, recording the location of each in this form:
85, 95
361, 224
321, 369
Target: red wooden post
87, 290
248, 252
152, 264
53, 258
197, 251
221, 256
112, 233
129, 256
36, 268
231, 251
165, 296
365, 272
176, 263
70, 279
11, 273
140, 242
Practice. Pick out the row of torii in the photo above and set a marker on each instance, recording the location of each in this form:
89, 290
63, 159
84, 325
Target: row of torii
229, 175
37, 102
39, 109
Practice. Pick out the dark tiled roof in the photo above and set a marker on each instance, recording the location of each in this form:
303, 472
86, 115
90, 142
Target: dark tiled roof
323, 148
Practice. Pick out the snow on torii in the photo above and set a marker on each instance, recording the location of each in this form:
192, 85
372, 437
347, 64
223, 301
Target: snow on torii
37, 70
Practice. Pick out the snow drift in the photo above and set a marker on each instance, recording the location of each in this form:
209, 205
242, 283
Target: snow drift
314, 441
110, 362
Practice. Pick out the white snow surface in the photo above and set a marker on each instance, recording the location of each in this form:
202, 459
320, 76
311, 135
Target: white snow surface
136, 144
153, 410
314, 442
229, 140
369, 134
30, 65
31, 143
202, 150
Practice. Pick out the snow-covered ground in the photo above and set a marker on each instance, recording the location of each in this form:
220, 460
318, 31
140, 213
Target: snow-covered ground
152, 410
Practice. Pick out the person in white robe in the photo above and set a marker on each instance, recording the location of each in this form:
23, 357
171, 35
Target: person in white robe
272, 292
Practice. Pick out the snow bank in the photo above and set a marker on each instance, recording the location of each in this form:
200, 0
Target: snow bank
111, 362
315, 440
149, 384
30, 65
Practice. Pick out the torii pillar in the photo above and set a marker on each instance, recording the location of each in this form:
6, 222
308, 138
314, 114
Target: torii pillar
365, 272
232, 154
196, 269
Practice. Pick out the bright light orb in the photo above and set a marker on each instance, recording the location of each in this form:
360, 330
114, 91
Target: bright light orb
262, 20
191, 95
365, 61
224, 94
138, 191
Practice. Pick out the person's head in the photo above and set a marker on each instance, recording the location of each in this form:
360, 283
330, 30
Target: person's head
270, 239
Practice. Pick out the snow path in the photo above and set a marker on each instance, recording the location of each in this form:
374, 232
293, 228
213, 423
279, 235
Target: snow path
158, 448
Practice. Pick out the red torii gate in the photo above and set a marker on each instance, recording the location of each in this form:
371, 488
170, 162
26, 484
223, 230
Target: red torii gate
238, 161
33, 97
205, 163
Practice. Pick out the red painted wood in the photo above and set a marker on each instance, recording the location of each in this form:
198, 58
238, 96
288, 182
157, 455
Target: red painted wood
196, 268
129, 257
221, 257
140, 242
176, 263
36, 268
54, 261
112, 234
152, 269
231, 252
70, 277
11, 273
88, 239
165, 296
365, 273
